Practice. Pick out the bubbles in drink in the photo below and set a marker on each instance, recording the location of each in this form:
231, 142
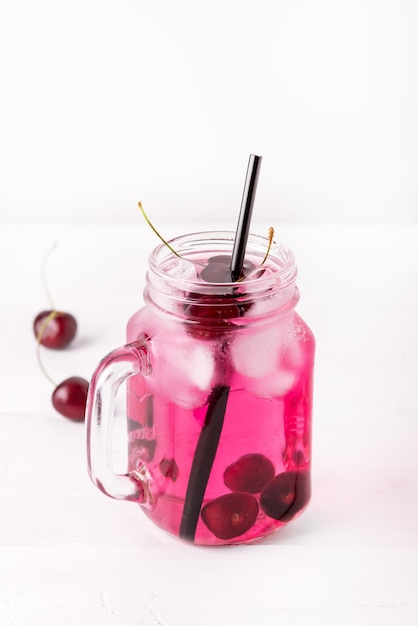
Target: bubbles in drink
298, 350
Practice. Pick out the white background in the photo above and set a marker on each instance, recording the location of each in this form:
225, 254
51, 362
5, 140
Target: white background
103, 103
106, 103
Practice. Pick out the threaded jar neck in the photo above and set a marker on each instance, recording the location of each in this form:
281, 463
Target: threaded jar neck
198, 277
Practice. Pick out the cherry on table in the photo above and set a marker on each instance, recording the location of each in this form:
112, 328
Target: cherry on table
230, 515
250, 473
57, 331
70, 396
286, 494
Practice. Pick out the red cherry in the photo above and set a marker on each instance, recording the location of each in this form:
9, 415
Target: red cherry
209, 315
218, 269
230, 515
249, 473
70, 397
286, 494
55, 332
213, 309
169, 469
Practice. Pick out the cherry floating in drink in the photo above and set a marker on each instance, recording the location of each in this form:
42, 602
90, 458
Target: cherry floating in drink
249, 473
286, 494
231, 515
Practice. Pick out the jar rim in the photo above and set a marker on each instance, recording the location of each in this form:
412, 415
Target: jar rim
280, 264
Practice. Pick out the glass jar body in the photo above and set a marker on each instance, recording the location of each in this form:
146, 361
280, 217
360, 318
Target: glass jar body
235, 359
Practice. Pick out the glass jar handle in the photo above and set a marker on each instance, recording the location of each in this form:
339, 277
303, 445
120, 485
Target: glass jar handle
112, 371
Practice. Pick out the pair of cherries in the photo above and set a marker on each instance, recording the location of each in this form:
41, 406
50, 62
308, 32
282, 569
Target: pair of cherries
55, 330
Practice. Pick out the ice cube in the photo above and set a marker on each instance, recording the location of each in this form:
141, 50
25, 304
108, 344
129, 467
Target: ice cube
275, 385
189, 398
183, 368
183, 269
200, 365
255, 353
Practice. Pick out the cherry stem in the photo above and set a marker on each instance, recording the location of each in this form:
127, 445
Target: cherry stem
270, 238
141, 208
42, 328
44, 278
270, 243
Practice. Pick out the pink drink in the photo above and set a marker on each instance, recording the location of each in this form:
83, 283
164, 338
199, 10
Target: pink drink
223, 422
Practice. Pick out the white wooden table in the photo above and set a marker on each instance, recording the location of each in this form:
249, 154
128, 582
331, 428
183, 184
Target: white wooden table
71, 556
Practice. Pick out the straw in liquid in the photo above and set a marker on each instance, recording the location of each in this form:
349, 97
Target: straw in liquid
207, 444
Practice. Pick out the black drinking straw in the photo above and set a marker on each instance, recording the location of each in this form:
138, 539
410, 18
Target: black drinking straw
207, 444
203, 459
244, 220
